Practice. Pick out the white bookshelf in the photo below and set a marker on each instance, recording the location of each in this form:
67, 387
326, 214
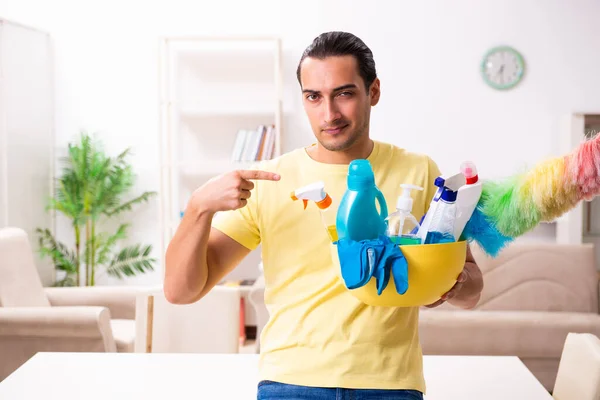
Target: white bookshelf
212, 89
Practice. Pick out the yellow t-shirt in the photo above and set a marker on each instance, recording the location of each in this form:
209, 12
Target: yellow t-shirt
318, 334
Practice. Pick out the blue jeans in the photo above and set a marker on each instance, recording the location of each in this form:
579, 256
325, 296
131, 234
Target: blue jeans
268, 390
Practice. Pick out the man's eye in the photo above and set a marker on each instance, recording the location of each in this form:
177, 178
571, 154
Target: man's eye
346, 94
311, 97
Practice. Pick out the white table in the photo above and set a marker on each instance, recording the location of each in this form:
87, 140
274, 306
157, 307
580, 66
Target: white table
103, 376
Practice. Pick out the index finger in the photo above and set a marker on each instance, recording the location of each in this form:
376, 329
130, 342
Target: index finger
260, 175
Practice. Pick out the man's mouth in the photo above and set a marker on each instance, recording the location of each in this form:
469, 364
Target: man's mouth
335, 130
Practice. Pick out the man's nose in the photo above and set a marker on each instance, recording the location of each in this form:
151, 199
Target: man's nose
331, 112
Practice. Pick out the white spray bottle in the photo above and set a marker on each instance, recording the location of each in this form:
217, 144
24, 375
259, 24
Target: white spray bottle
402, 223
441, 216
467, 198
316, 192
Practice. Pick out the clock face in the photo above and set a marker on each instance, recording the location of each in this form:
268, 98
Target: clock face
502, 67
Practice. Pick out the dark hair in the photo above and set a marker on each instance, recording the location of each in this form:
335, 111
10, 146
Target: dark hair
331, 44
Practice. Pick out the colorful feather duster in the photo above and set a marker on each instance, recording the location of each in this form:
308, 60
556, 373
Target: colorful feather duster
509, 208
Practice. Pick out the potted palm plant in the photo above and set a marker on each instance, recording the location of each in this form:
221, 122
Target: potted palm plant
91, 191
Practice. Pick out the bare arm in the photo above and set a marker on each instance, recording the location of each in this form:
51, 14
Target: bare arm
199, 256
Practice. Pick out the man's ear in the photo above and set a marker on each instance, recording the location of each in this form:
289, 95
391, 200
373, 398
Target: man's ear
375, 92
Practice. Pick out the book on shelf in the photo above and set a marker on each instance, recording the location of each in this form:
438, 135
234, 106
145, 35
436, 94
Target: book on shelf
254, 145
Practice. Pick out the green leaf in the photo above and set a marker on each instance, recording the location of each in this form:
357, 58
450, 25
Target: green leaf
121, 159
105, 243
131, 261
144, 197
61, 256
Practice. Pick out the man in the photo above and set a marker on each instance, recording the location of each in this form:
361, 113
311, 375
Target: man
320, 341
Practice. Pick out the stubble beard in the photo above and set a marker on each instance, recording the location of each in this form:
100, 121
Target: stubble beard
348, 143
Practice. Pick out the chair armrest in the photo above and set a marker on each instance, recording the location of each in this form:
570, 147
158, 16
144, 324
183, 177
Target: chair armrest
25, 331
120, 300
70, 323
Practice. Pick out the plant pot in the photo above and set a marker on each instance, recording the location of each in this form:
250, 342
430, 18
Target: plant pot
432, 271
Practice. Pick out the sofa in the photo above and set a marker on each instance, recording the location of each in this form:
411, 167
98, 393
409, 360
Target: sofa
534, 295
34, 318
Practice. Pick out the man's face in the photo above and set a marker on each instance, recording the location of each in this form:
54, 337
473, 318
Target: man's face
336, 101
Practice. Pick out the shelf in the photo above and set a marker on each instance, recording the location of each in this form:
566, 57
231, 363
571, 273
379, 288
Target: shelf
213, 89
212, 167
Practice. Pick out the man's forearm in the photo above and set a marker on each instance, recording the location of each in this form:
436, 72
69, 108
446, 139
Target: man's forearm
186, 264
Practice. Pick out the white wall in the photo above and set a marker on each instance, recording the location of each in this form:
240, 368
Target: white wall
433, 100
428, 55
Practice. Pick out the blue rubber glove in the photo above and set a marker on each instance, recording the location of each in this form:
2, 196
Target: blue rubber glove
379, 258
392, 262
354, 262
399, 267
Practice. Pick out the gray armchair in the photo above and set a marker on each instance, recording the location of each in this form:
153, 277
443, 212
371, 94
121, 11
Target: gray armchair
34, 318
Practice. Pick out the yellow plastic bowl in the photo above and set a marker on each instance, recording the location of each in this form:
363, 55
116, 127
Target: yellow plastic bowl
432, 271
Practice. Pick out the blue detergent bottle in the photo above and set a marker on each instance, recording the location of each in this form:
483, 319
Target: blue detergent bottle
357, 217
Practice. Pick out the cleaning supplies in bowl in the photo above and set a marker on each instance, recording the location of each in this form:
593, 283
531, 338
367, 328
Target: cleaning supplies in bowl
432, 270
382, 259
402, 224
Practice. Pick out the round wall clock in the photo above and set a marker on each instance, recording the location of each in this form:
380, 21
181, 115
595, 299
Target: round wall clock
502, 67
